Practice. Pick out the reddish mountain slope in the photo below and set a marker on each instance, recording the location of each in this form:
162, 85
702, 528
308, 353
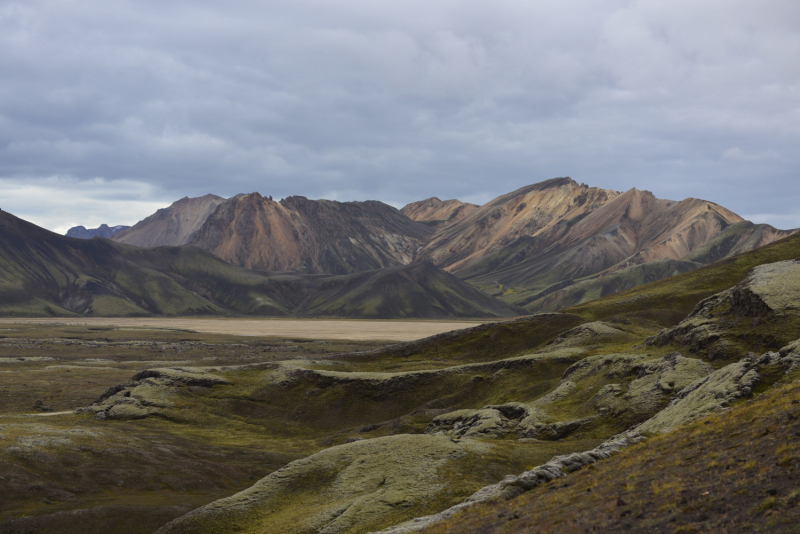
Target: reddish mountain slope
314, 236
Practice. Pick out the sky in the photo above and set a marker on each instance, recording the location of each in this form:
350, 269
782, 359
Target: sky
111, 109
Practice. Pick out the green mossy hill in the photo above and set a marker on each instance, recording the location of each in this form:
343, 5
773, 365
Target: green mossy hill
733, 471
570, 293
762, 312
487, 342
45, 274
355, 487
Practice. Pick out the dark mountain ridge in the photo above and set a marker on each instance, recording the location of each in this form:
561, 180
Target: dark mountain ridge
43, 273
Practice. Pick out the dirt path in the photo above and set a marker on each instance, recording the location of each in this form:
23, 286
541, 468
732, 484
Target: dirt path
358, 330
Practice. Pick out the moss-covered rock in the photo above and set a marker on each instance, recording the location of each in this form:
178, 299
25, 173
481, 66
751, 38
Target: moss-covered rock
147, 392
352, 487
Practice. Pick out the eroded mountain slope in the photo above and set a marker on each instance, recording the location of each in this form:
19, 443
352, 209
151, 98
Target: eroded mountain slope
528, 211
603, 249
171, 226
313, 236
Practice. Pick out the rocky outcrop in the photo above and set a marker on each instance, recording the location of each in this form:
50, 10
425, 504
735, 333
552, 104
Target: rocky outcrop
514, 485
147, 392
771, 290
637, 387
722, 387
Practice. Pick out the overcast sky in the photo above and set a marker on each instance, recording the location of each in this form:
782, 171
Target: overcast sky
110, 110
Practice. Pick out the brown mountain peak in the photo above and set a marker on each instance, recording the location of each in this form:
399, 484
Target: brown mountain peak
315, 236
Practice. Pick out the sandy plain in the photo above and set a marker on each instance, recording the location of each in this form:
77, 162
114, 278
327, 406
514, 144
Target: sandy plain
357, 330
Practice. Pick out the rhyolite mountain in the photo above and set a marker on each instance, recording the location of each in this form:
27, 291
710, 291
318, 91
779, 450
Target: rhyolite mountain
103, 231
46, 274
543, 246
313, 236
174, 225
542, 239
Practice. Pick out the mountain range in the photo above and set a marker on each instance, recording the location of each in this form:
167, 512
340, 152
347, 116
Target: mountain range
542, 247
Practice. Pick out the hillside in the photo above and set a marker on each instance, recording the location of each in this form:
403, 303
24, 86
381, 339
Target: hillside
595, 391
312, 236
717, 475
174, 225
42, 273
417, 290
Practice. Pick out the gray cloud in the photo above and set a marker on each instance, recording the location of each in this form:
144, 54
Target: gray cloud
118, 107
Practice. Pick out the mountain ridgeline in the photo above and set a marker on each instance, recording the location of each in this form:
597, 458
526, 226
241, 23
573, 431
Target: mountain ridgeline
542, 247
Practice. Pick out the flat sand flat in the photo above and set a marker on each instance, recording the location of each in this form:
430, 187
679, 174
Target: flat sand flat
359, 330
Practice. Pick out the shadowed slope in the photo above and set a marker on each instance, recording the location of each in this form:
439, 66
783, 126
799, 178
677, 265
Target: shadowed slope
42, 273
417, 290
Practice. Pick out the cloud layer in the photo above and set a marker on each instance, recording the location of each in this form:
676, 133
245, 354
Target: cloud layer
109, 108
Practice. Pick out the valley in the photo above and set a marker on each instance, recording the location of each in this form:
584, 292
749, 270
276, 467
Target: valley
177, 431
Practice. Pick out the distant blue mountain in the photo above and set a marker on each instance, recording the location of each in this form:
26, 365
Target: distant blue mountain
104, 231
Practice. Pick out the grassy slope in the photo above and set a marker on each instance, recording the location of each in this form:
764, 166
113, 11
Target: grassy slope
671, 299
730, 472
